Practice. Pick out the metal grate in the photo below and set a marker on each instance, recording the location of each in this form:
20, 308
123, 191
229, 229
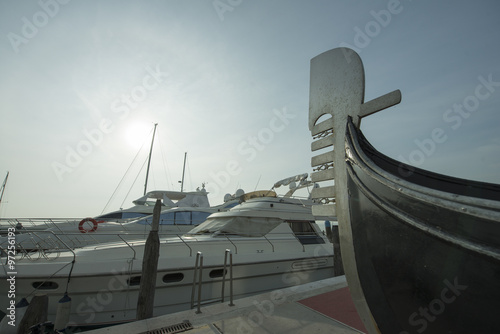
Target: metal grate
177, 328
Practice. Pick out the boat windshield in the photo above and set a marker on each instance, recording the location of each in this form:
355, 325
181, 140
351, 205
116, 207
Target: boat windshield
187, 217
241, 226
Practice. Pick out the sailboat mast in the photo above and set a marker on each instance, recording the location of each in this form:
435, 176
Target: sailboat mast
149, 159
183, 170
3, 187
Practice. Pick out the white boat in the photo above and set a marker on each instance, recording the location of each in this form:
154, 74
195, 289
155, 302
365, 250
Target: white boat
143, 206
274, 242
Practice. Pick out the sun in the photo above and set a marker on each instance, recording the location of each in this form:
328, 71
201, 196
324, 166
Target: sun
137, 134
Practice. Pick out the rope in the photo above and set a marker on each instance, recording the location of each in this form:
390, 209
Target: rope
123, 177
121, 205
127, 296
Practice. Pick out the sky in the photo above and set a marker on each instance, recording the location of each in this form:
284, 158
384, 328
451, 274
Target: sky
227, 81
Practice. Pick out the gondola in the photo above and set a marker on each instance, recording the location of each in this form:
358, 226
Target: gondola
421, 250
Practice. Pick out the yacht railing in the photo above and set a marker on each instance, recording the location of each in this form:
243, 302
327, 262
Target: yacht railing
235, 247
49, 244
129, 245
272, 246
187, 245
37, 224
303, 246
34, 245
228, 251
198, 267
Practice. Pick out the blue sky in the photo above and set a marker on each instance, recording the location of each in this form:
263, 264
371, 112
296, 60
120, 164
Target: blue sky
83, 82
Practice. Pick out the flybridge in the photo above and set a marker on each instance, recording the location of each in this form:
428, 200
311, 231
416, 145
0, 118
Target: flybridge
196, 198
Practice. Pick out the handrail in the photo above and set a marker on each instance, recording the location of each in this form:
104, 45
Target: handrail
231, 294
228, 251
296, 237
269, 242
224, 270
125, 241
235, 247
199, 260
185, 243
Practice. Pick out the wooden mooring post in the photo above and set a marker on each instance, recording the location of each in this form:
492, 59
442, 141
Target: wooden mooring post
145, 302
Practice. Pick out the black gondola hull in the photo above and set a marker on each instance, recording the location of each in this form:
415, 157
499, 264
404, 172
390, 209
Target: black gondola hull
427, 258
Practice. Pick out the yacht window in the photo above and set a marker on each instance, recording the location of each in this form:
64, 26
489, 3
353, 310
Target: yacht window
45, 285
199, 217
306, 234
172, 278
130, 215
167, 218
217, 273
133, 281
113, 215
177, 218
238, 225
183, 218
144, 221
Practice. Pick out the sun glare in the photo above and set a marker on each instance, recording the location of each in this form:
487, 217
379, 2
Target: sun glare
136, 134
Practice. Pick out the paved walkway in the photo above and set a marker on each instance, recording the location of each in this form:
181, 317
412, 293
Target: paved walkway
308, 308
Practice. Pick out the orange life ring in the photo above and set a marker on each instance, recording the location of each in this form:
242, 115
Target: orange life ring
83, 230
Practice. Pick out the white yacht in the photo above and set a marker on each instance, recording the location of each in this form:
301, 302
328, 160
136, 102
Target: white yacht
273, 241
90, 231
142, 207
190, 210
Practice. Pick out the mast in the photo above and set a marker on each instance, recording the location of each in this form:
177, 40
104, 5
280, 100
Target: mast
183, 170
2, 189
149, 159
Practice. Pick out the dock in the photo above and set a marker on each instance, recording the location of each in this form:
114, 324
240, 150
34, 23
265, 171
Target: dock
318, 307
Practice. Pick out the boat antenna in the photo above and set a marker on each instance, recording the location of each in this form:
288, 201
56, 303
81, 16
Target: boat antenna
257, 182
183, 170
149, 159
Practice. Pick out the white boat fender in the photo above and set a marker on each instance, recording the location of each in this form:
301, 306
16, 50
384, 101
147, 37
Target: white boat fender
13, 317
62, 313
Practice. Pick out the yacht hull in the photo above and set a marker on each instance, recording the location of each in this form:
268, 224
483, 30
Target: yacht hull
110, 297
